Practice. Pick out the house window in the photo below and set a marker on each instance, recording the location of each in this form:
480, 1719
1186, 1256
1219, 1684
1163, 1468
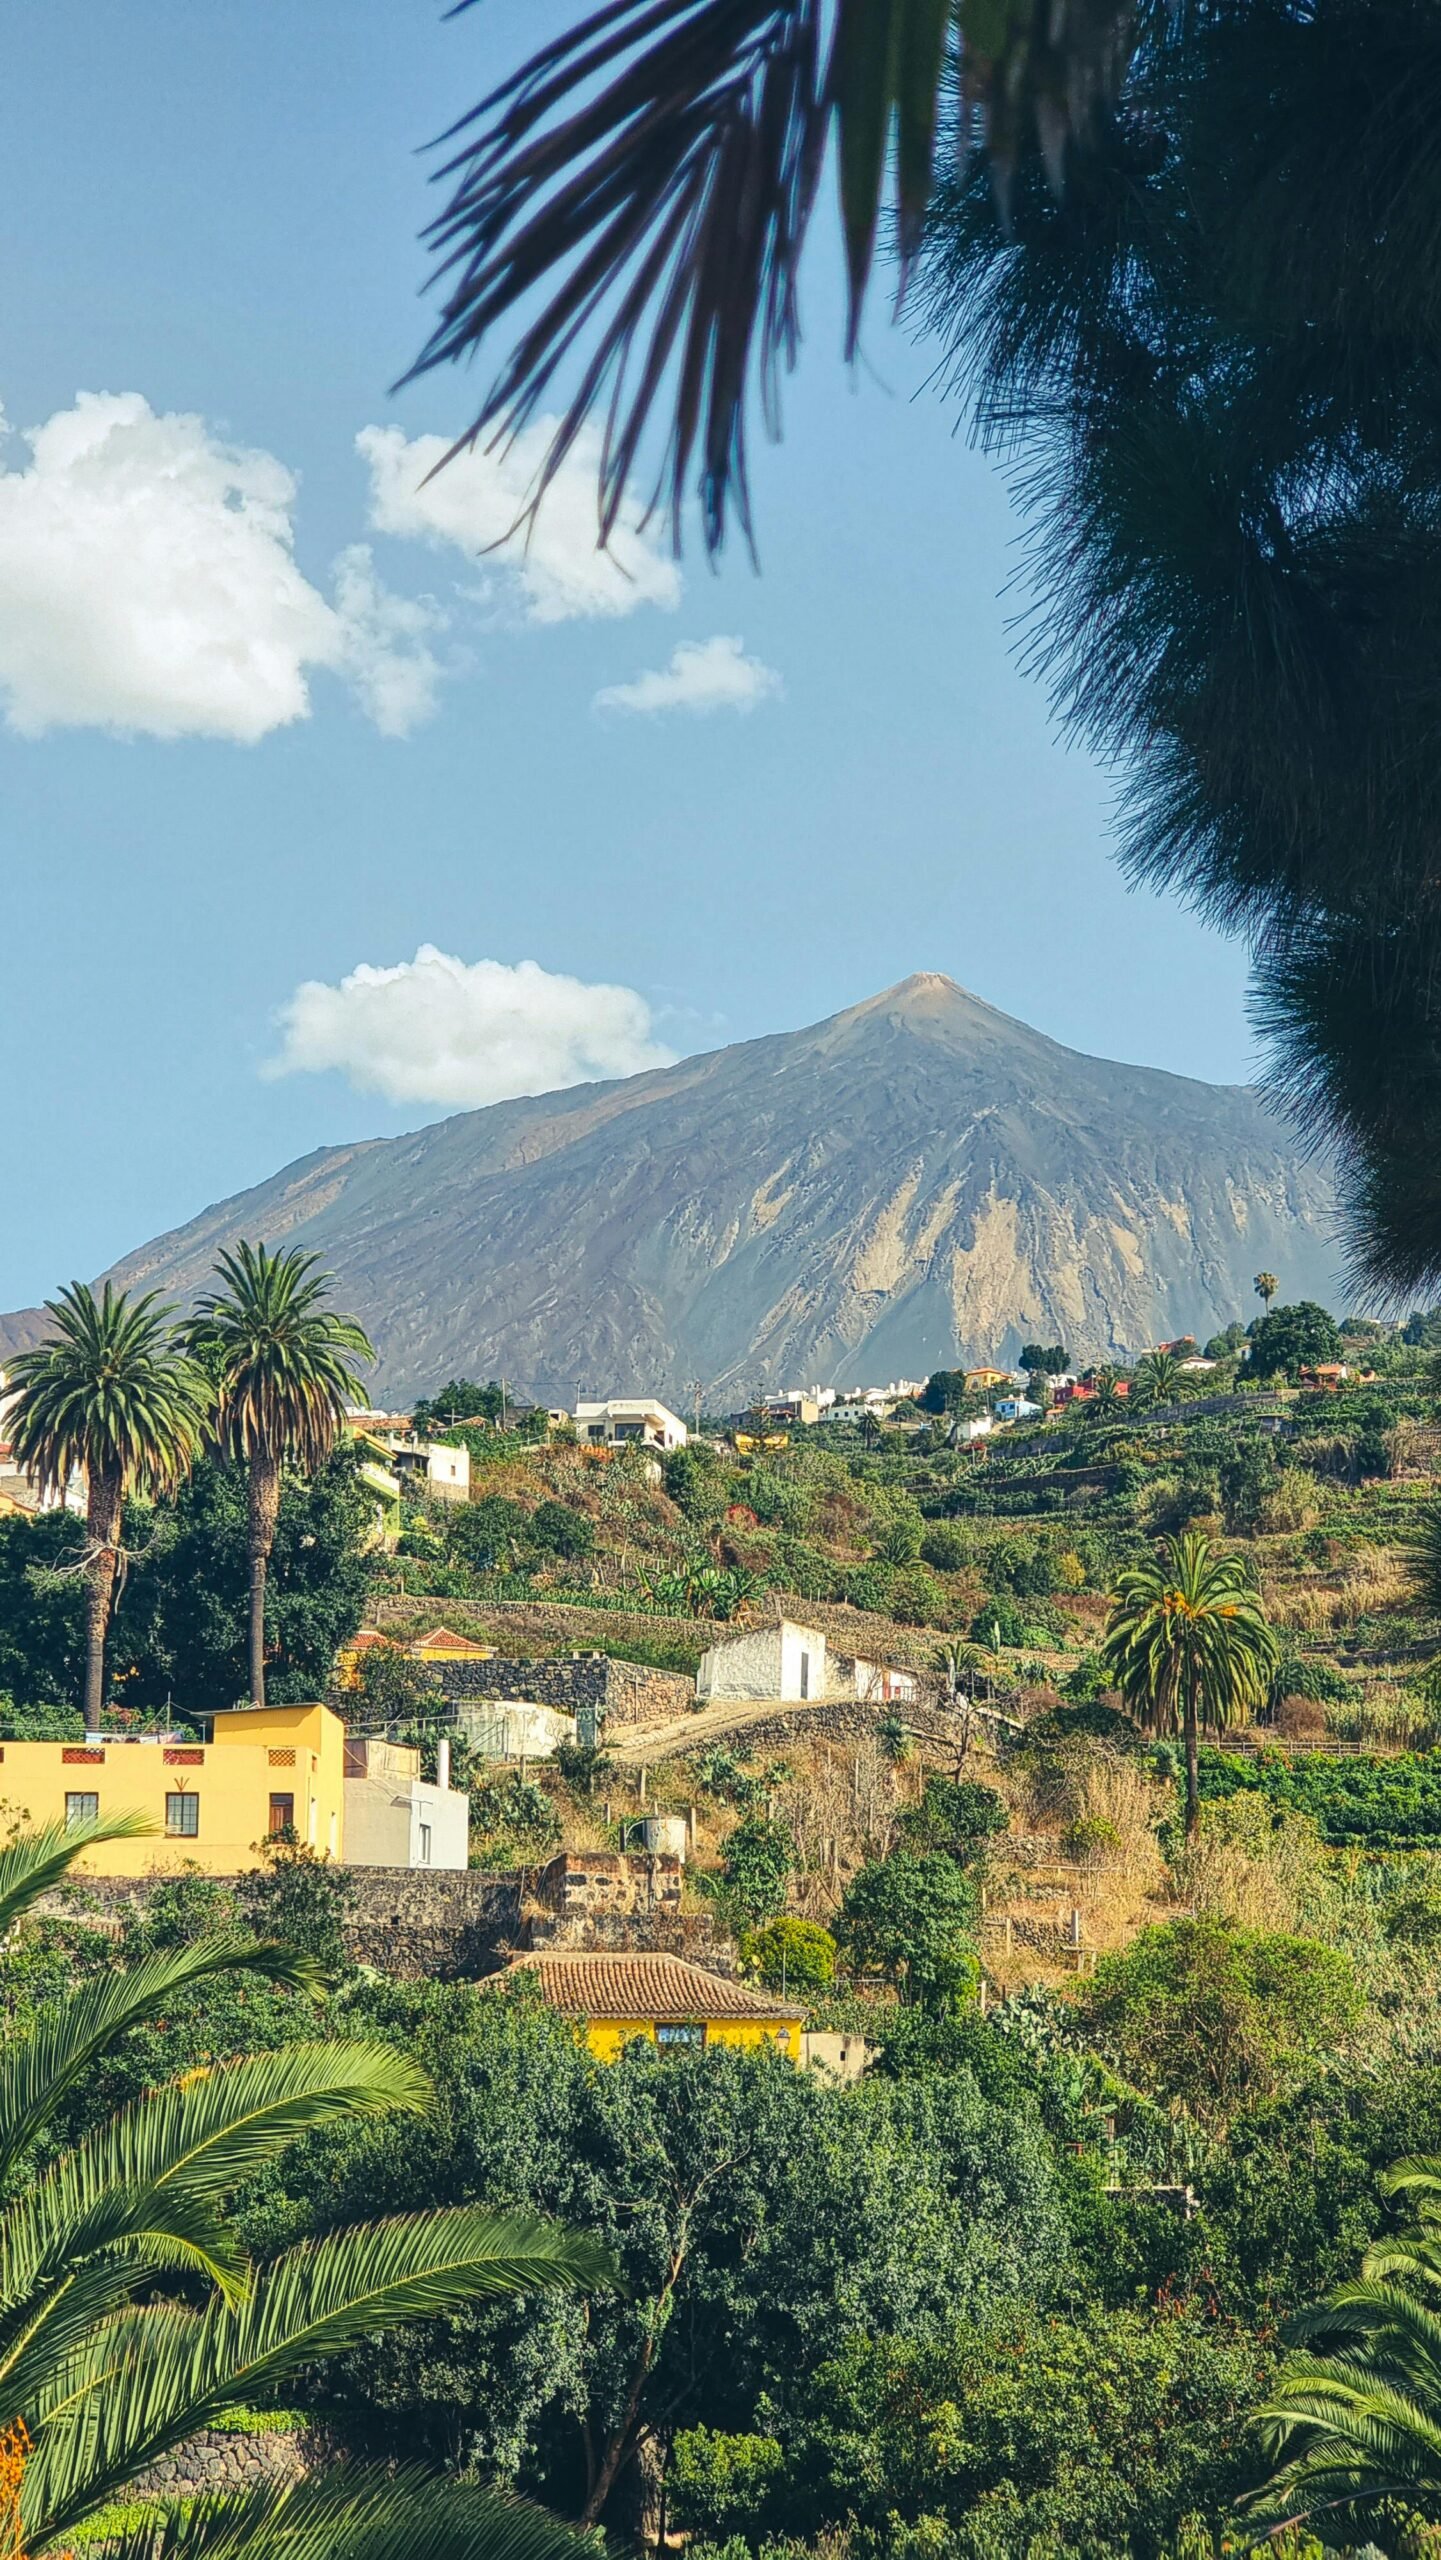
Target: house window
425, 1844
282, 1815
679, 2039
805, 1675
81, 1808
182, 1817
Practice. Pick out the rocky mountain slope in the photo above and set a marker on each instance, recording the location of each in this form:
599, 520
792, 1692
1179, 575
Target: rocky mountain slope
918, 1179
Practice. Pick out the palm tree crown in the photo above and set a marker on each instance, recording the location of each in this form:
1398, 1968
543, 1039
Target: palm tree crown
111, 1394
1187, 1644
284, 1370
283, 1362
1158, 1376
89, 2236
1360, 2421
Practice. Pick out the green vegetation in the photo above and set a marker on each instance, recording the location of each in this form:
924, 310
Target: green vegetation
131, 2293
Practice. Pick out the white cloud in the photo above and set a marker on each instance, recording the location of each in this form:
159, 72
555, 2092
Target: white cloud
474, 503
148, 583
703, 675
437, 1029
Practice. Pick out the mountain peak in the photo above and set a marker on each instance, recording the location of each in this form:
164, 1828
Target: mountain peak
918, 1182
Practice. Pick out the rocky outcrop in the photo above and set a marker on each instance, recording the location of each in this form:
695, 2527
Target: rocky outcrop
916, 1180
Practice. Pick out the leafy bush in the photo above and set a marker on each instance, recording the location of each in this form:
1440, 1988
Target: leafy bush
1373, 1804
559, 1531
759, 1860
787, 1954
1219, 2016
719, 2484
947, 1547
512, 1821
956, 1816
908, 1921
917, 1599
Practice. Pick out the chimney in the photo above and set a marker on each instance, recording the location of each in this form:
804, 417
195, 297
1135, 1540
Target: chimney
442, 1764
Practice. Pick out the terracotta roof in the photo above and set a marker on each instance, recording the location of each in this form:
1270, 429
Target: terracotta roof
661, 1987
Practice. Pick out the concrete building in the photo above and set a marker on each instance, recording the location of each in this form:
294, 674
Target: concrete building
261, 1771
619, 1421
780, 1660
396, 1818
794, 1663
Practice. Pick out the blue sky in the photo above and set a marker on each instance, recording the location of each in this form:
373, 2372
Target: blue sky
204, 661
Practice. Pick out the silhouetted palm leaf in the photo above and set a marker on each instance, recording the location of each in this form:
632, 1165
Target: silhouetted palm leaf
652, 175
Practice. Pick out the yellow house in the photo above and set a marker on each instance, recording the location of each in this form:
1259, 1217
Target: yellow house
661, 1998
265, 1770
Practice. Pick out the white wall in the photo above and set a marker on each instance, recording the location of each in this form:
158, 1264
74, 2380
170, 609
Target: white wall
777, 1661
383, 1823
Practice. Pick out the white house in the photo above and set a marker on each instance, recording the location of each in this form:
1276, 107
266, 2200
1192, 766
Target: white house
396, 1818
794, 1663
780, 1660
1017, 1409
618, 1420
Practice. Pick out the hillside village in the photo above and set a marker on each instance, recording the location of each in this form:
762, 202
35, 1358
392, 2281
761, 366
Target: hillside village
615, 1634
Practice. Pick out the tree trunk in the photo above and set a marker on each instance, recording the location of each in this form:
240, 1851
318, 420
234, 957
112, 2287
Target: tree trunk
264, 1510
1193, 1796
102, 1521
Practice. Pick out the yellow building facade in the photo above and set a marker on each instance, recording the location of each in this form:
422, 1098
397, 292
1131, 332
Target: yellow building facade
660, 1999
266, 1770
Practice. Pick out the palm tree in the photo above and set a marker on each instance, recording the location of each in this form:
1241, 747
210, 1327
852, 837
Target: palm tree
282, 1362
1360, 2421
1158, 1377
100, 2375
110, 1394
1266, 1285
1187, 1644
1107, 1403
651, 173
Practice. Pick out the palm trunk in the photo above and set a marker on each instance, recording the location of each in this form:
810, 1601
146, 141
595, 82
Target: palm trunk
102, 1521
1193, 1788
264, 1510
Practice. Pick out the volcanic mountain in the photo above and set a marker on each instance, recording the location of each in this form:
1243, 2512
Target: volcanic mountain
917, 1181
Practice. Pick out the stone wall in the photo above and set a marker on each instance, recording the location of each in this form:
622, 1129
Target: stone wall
432, 1924
583, 1685
217, 2460
457, 1925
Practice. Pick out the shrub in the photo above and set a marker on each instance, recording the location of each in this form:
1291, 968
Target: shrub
946, 1546
908, 1921
559, 1531
719, 2484
917, 1599
787, 1954
1219, 2016
760, 1858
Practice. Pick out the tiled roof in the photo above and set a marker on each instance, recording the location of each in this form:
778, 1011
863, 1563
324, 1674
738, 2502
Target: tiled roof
661, 1987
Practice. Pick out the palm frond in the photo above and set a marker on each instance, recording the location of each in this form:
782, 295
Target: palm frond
317, 2299
36, 1862
652, 172
151, 2178
367, 2515
37, 2075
